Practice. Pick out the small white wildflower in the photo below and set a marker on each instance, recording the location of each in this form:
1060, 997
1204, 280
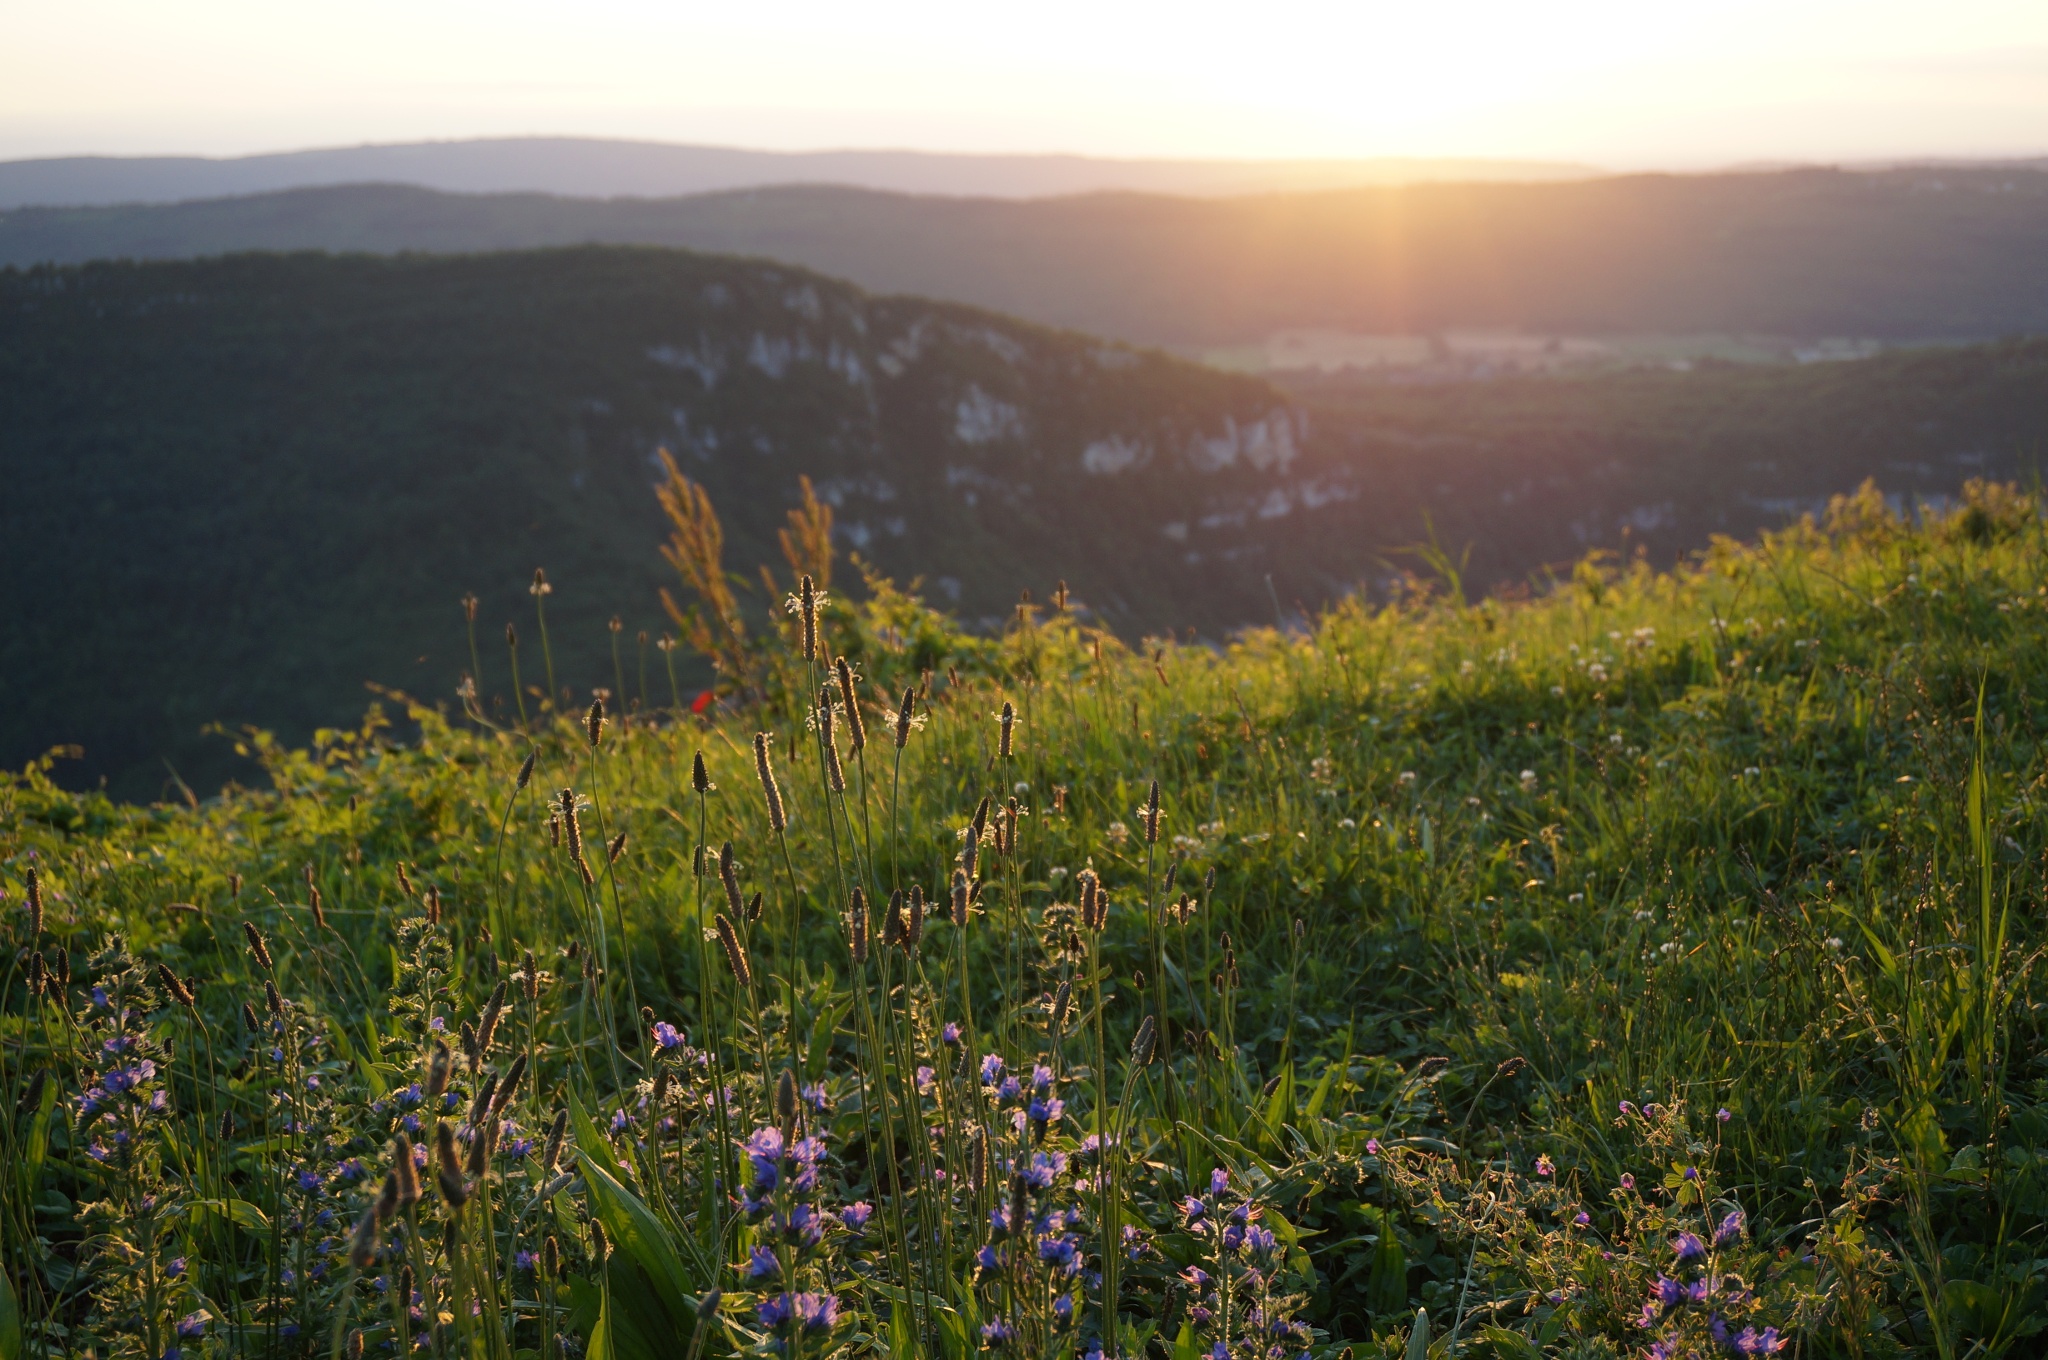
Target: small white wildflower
1021, 787
1529, 781
1557, 690
1614, 739
1595, 671
1835, 943
1644, 915
1576, 897
1407, 776
1321, 770
1752, 770
1347, 823
1116, 833
1465, 668
1668, 947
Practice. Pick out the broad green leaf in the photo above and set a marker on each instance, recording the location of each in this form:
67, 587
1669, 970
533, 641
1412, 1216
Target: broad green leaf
239, 1212
1418, 1336
10, 1317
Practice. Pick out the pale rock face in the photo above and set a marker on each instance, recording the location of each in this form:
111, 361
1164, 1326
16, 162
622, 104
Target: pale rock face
1268, 445
770, 354
702, 360
1107, 457
982, 419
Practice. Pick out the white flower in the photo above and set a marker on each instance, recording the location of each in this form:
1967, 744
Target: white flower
1557, 690
1347, 823
795, 603
1407, 776
1529, 781
1116, 833
1576, 897
1595, 671
1021, 787
1058, 871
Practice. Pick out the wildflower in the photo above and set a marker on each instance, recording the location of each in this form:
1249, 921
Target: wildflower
1688, 1246
1259, 1240
666, 1036
991, 1069
524, 1261
817, 1312
1724, 1114
1193, 1209
193, 1325
1372, 1147
762, 1264
1581, 1219
950, 1035
1628, 1107
1628, 1182
1544, 1166
855, 1216
995, 1333
1753, 1342
1729, 1228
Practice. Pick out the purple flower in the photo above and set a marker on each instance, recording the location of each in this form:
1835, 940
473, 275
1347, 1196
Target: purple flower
1044, 1169
1041, 1078
815, 1097
1688, 1246
1197, 1278
666, 1035
1193, 1209
1259, 1240
817, 1312
1729, 1229
1582, 1218
193, 1324
950, 1034
309, 1182
1010, 1089
774, 1310
1724, 1114
762, 1264
621, 1121
1544, 1166
925, 1083
995, 1332
991, 1069
1372, 1147
438, 1025
1753, 1342
1628, 1182
523, 1261
1628, 1107
1063, 1309
987, 1259
856, 1215
1219, 1181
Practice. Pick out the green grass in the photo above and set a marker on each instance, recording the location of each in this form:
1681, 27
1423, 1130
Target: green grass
1761, 835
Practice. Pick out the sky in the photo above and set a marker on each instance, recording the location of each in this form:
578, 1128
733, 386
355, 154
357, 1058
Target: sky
1619, 83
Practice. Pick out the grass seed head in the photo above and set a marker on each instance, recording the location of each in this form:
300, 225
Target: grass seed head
754, 907
615, 849
179, 992
857, 925
439, 1063
700, 778
903, 717
406, 1172
480, 1108
786, 1103
835, 775
913, 920
362, 1243
807, 600
593, 723
892, 922
272, 999
258, 947
856, 728
1007, 721
764, 766
735, 952
35, 904
551, 1157
1141, 1042
1151, 817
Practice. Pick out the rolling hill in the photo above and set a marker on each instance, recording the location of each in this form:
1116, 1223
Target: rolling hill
1909, 254
241, 487
597, 167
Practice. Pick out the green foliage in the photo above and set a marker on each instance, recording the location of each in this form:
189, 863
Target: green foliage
1754, 835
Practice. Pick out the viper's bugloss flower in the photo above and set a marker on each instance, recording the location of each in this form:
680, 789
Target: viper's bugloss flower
856, 1215
950, 1034
1729, 1229
991, 1069
762, 1264
1688, 1246
666, 1036
1193, 1209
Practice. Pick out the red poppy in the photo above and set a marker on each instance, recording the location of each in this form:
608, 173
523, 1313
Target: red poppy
703, 702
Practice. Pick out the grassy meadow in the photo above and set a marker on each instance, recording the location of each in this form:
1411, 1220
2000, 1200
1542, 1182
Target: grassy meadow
1645, 967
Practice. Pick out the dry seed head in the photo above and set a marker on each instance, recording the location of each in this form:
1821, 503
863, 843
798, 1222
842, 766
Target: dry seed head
469, 1048
406, 1172
180, 993
565, 807
1510, 1066
913, 921
835, 777
735, 952
525, 775
600, 1245
764, 767
961, 897
35, 904
807, 599
404, 883
387, 1198
977, 1161
529, 978
35, 982
593, 722
700, 778
1059, 597
313, 901
1061, 999
479, 1149
1152, 815
439, 1063
540, 584
433, 900
551, 1258
494, 1009
554, 831
557, 1131
1008, 721
257, 946
511, 637
272, 999
754, 908
856, 729
615, 849
1141, 1042
249, 1021
903, 716
857, 925
362, 1243
892, 922
729, 875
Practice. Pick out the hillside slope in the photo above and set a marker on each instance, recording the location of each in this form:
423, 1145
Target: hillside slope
1905, 254
240, 488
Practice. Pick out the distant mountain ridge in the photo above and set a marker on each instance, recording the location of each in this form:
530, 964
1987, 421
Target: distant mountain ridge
1894, 255
590, 167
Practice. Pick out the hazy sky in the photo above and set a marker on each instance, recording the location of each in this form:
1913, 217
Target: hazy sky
1615, 82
